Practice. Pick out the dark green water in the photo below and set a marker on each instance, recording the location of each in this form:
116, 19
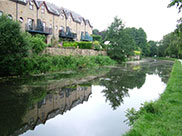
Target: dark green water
82, 103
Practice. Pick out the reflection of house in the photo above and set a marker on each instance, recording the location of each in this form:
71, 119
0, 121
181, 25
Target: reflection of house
54, 104
41, 17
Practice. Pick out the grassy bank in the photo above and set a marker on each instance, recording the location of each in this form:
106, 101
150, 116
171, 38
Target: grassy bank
162, 117
45, 63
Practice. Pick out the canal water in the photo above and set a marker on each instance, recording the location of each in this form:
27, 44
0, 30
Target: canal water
82, 103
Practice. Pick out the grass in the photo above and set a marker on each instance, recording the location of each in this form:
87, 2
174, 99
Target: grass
45, 63
164, 116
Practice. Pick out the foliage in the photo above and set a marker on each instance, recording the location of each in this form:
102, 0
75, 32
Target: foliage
137, 52
45, 63
140, 39
171, 45
95, 32
84, 45
96, 37
37, 43
97, 45
14, 45
178, 3
162, 117
121, 44
153, 48
70, 44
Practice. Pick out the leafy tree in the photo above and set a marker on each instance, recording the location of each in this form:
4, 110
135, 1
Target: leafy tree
95, 32
178, 3
13, 46
153, 48
121, 44
140, 39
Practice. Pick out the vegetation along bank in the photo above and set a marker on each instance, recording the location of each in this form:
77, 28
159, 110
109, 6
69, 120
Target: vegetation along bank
21, 53
162, 117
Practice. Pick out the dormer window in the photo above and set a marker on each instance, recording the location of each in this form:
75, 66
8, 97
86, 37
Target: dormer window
31, 5
43, 9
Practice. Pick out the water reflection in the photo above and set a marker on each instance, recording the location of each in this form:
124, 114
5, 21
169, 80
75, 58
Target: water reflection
54, 104
118, 81
27, 103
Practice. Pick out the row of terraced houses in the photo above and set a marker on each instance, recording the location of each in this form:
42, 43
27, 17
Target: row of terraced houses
41, 17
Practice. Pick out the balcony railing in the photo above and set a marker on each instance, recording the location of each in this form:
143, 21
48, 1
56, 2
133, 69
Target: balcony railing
68, 35
86, 37
38, 29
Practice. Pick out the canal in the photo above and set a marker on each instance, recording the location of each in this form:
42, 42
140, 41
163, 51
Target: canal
82, 103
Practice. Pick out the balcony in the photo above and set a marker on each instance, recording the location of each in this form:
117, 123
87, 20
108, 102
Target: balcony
86, 37
38, 29
67, 35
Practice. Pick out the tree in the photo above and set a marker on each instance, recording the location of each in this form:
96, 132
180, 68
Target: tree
153, 48
121, 44
178, 3
140, 39
13, 46
95, 32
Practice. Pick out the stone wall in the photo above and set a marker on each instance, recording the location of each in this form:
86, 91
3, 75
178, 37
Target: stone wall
73, 52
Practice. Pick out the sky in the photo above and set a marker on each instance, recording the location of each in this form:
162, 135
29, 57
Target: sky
152, 15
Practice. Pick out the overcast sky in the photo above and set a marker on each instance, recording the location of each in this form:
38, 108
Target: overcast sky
152, 15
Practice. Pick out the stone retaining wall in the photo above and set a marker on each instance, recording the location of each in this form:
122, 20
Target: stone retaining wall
73, 52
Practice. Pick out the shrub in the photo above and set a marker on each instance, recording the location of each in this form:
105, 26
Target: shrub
137, 52
96, 45
85, 45
14, 45
96, 37
38, 44
45, 63
70, 44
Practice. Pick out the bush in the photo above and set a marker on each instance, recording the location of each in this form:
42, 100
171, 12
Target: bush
85, 45
96, 45
14, 45
96, 37
70, 44
45, 63
37, 43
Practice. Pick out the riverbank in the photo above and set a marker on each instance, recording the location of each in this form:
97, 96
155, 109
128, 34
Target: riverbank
162, 117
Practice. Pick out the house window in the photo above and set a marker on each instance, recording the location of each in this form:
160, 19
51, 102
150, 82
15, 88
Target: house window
44, 25
21, 19
62, 28
30, 24
43, 9
50, 26
31, 5
10, 16
56, 27
62, 16
69, 19
1, 13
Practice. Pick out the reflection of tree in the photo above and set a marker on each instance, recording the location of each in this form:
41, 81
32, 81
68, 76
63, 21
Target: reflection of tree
160, 68
14, 105
119, 81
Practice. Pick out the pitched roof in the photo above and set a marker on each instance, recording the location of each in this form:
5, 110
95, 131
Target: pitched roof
52, 8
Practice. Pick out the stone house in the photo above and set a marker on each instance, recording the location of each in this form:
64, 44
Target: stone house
41, 17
